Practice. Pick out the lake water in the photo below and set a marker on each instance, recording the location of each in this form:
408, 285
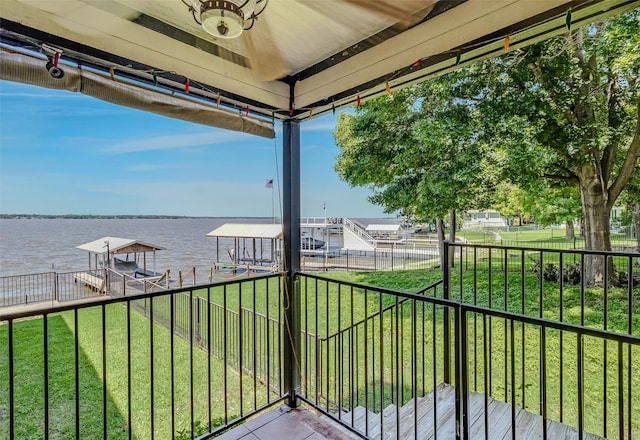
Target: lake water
30, 246
43, 245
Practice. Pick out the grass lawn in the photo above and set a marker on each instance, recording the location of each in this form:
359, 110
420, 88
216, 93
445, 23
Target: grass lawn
547, 237
335, 367
520, 367
145, 409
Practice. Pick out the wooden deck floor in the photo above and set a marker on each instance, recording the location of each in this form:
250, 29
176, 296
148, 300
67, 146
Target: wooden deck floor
302, 424
284, 423
438, 409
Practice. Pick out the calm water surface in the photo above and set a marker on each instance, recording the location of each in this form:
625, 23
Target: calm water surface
43, 245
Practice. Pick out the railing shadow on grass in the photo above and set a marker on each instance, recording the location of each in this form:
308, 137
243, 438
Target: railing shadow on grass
163, 382
45, 351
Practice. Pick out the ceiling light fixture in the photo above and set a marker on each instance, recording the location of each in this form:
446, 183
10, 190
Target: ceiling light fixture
225, 18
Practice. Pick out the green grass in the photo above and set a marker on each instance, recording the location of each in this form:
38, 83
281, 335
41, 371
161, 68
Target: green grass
526, 339
547, 237
326, 310
29, 379
29, 385
547, 234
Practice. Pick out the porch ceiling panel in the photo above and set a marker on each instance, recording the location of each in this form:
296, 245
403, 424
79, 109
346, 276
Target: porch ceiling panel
107, 31
476, 31
326, 52
472, 20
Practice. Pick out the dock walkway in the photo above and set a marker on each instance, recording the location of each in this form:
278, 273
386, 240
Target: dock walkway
95, 283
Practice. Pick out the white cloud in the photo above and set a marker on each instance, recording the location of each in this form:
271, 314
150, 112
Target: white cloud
176, 141
320, 125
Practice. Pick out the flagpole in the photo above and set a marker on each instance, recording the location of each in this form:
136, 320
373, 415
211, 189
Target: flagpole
273, 215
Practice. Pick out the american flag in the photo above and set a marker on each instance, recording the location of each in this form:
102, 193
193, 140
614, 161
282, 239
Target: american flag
269, 183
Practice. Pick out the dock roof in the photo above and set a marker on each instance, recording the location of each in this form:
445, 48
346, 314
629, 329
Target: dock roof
244, 230
118, 246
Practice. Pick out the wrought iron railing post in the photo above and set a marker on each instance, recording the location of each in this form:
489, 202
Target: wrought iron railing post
292, 339
55, 287
462, 373
446, 287
291, 233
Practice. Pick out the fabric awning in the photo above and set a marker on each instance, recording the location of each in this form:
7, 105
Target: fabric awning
27, 69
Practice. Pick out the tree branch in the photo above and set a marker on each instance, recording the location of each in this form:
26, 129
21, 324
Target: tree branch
537, 72
613, 108
630, 161
562, 178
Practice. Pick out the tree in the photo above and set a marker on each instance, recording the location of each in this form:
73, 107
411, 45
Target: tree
416, 154
566, 109
579, 97
554, 205
415, 150
508, 201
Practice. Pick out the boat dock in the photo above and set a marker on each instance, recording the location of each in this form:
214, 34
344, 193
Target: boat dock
93, 282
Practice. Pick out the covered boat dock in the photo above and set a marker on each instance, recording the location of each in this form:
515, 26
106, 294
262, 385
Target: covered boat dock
103, 254
255, 246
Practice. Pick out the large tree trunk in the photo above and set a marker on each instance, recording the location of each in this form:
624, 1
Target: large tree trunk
597, 234
635, 211
569, 232
452, 226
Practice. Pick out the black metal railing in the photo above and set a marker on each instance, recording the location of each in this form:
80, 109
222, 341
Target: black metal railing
45, 287
228, 334
105, 370
510, 340
406, 256
561, 285
499, 332
589, 290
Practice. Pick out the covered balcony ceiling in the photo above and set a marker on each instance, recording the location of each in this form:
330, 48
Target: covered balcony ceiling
301, 58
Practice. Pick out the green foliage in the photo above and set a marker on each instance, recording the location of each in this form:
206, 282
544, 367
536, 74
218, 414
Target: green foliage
508, 200
415, 149
554, 204
565, 109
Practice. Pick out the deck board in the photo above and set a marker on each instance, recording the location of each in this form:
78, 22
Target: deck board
93, 282
528, 426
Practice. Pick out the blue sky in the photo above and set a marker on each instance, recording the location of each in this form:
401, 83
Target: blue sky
66, 153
